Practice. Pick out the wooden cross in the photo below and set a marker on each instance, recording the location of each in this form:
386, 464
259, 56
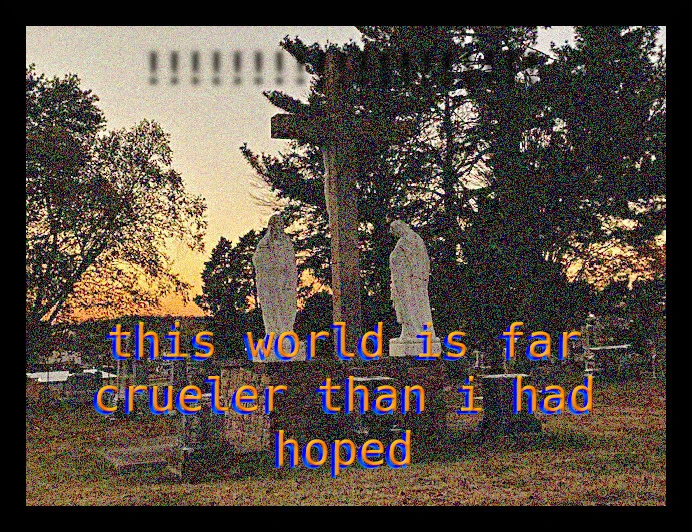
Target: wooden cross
341, 137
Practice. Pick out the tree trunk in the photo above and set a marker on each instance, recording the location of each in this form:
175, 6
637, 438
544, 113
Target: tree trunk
341, 172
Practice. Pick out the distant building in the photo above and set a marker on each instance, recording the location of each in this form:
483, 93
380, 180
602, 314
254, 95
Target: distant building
66, 384
50, 377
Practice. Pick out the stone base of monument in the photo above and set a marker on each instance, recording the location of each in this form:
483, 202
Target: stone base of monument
272, 356
405, 347
363, 426
429, 428
298, 411
499, 418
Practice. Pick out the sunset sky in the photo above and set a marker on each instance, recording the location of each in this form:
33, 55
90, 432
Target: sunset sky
207, 122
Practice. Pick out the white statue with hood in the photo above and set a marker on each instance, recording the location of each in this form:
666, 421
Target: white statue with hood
276, 277
410, 271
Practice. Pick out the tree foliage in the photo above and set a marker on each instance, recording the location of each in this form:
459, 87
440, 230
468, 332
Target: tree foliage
101, 207
229, 293
524, 168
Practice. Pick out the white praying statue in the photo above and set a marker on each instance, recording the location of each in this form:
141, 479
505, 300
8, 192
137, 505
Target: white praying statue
410, 271
276, 277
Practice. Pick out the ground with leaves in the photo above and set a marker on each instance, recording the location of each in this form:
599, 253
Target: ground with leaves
614, 456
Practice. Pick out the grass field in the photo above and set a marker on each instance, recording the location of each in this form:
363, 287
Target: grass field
614, 456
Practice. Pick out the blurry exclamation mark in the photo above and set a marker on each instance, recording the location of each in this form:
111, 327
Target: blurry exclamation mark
279, 67
237, 64
301, 77
174, 67
152, 67
258, 68
217, 67
195, 68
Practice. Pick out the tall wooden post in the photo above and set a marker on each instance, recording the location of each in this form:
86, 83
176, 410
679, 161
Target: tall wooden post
342, 137
341, 172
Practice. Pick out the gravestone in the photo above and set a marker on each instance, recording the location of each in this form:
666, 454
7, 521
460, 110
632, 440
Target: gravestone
499, 418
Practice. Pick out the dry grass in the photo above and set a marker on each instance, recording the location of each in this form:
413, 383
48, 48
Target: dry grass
614, 456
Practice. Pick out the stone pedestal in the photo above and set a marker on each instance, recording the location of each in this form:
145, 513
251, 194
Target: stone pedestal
429, 427
298, 411
402, 347
272, 355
